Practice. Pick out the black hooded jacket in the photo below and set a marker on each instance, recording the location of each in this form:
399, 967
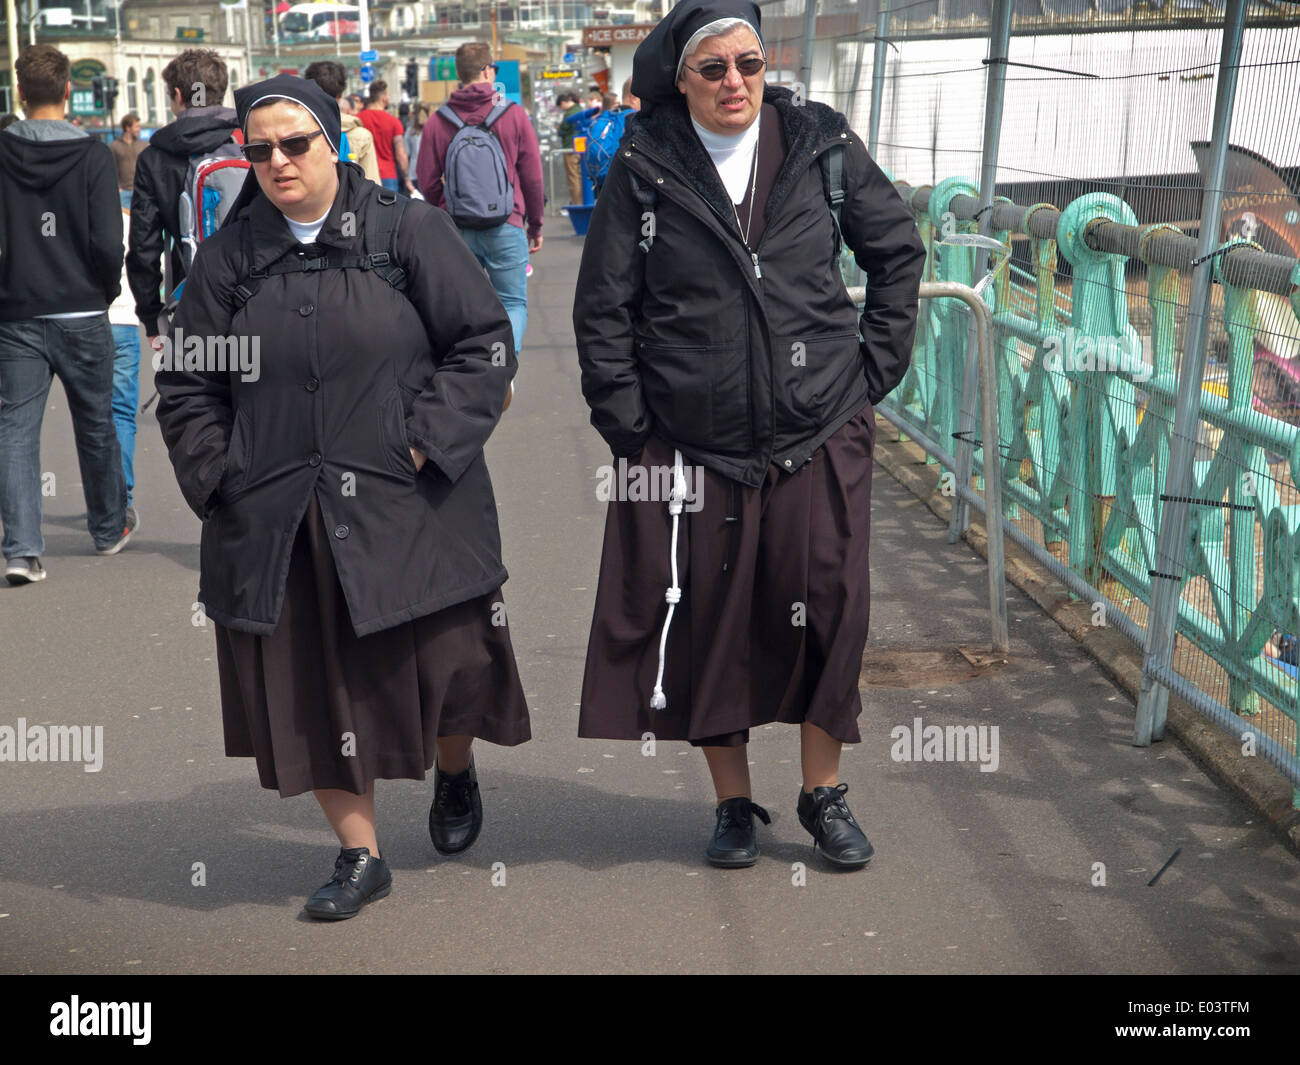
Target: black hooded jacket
60, 226
689, 342
159, 180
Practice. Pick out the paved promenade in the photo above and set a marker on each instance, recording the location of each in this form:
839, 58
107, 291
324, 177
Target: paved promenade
602, 848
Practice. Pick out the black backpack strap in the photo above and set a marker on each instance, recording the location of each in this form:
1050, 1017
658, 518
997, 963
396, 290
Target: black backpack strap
832, 167
648, 198
383, 236
247, 289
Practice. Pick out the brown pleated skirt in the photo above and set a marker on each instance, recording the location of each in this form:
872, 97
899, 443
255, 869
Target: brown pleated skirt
774, 611
319, 707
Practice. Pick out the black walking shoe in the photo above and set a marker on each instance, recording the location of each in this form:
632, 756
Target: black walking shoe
358, 878
734, 844
456, 816
826, 816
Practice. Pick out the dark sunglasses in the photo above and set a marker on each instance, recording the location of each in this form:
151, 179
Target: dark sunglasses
717, 69
296, 145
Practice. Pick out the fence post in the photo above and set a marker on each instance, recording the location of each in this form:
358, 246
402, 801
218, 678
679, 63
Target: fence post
1171, 550
999, 45
806, 54
877, 78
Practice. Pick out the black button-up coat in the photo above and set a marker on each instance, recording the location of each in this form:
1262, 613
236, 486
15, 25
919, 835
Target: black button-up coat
741, 357
351, 374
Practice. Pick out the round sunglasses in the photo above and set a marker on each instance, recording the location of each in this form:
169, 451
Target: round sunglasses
295, 145
716, 70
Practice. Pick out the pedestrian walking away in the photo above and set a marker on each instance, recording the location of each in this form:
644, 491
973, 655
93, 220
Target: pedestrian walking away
358, 144
722, 357
567, 104
350, 554
196, 82
129, 341
61, 234
389, 136
502, 230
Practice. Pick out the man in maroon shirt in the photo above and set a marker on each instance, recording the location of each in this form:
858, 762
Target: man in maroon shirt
390, 138
503, 250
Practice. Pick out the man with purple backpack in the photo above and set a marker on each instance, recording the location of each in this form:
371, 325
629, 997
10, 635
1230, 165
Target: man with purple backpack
479, 161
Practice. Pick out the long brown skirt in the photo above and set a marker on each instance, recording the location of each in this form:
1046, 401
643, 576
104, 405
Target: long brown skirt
319, 707
774, 610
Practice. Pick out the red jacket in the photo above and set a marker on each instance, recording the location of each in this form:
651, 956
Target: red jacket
518, 142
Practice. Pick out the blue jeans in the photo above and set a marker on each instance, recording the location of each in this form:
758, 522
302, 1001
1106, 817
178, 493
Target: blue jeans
503, 253
389, 183
80, 351
126, 395
125, 196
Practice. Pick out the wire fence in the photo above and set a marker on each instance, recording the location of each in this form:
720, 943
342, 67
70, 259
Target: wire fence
1107, 129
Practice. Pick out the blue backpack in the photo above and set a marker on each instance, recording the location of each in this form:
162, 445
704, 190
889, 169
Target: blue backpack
479, 192
602, 142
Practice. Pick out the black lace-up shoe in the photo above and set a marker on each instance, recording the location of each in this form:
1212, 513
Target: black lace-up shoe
826, 816
358, 878
456, 816
734, 844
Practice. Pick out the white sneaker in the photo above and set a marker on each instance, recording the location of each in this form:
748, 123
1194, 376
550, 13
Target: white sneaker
132, 524
24, 571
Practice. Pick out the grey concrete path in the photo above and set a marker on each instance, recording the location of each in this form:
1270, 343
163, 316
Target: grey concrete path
987, 872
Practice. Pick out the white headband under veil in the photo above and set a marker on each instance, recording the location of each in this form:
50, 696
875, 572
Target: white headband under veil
715, 28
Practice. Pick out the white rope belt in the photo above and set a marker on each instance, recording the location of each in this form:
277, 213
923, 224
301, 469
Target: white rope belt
673, 595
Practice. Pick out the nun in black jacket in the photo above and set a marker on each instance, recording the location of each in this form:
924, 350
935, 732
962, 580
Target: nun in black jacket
722, 357
350, 553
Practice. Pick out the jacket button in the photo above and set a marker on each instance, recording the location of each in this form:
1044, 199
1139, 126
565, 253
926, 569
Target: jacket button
788, 462
340, 532
315, 459
311, 384
306, 309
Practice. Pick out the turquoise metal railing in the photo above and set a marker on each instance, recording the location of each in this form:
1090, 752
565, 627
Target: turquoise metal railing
1086, 414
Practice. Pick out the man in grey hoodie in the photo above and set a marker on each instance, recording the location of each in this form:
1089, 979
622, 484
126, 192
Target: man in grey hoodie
60, 268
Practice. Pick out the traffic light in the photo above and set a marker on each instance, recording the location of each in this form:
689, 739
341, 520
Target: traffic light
110, 94
412, 85
97, 87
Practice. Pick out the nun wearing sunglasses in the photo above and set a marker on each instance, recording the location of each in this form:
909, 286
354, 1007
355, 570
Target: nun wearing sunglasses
344, 361
720, 351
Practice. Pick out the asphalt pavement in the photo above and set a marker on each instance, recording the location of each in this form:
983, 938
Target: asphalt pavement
592, 854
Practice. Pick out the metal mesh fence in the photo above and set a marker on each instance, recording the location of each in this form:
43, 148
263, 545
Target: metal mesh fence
1107, 121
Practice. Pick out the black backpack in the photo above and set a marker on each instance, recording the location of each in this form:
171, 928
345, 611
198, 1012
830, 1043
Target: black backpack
380, 235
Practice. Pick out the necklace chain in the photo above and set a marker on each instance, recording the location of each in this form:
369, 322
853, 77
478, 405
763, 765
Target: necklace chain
753, 185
